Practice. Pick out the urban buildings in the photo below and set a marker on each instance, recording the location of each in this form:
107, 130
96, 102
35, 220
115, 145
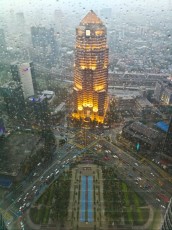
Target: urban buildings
38, 110
45, 45
163, 91
12, 94
24, 73
137, 132
3, 46
91, 70
168, 141
167, 224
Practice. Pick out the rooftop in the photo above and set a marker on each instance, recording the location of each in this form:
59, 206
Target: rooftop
91, 18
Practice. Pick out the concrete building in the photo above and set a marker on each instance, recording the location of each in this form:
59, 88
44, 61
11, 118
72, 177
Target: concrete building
124, 99
50, 95
24, 74
142, 103
3, 45
137, 132
58, 109
45, 45
91, 70
12, 94
163, 91
167, 224
39, 112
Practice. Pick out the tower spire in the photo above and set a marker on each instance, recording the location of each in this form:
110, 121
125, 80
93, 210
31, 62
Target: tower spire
91, 18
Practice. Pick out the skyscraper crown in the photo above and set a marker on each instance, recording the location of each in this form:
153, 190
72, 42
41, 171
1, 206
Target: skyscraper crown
91, 18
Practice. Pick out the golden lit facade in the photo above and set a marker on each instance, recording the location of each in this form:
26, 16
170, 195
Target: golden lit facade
91, 70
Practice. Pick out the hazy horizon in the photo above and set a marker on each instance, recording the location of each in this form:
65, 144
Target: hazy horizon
78, 6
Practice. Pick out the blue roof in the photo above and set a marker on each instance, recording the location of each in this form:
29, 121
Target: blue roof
163, 126
5, 182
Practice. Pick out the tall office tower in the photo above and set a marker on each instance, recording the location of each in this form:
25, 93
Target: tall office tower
2, 223
21, 28
20, 21
168, 141
167, 224
13, 98
58, 20
25, 74
3, 46
91, 70
38, 106
45, 45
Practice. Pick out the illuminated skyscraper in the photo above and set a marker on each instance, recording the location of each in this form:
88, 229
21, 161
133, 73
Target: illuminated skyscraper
91, 70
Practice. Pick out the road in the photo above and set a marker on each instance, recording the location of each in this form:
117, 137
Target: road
141, 176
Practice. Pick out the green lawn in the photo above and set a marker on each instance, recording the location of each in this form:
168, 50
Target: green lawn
54, 200
122, 202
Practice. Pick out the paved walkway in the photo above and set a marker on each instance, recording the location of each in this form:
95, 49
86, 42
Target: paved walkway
149, 221
30, 223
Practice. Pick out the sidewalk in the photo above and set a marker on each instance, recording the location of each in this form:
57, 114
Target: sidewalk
30, 223
149, 221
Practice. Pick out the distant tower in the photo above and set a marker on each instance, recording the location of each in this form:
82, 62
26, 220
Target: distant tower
24, 73
3, 46
58, 20
169, 5
13, 98
20, 20
91, 70
168, 141
44, 42
167, 224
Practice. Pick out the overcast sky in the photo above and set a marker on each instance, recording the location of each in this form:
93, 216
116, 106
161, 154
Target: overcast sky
31, 5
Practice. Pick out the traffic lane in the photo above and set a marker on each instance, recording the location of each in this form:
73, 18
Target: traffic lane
149, 197
139, 179
60, 167
130, 159
14, 195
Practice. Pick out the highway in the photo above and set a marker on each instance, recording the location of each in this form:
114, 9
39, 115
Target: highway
141, 176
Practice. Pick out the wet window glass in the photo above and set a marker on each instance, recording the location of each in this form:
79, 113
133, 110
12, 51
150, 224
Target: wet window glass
85, 114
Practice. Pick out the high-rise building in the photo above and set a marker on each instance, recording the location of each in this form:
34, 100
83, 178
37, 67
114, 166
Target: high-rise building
168, 141
3, 46
13, 98
20, 21
45, 45
91, 70
2, 223
25, 74
167, 224
38, 107
163, 91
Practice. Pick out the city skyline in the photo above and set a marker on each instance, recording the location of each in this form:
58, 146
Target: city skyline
85, 114
75, 5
